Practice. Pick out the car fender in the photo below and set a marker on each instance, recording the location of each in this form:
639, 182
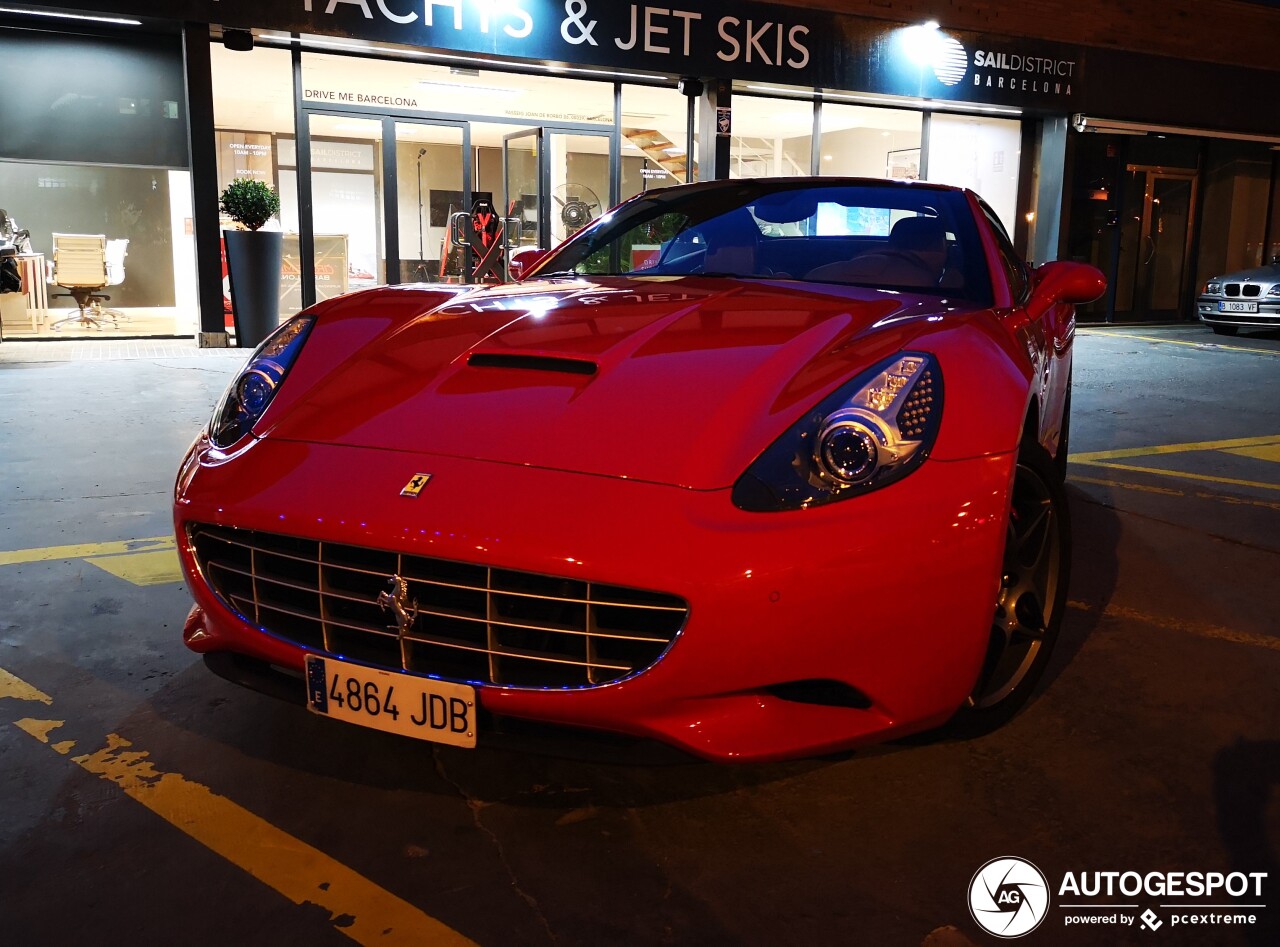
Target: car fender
988, 386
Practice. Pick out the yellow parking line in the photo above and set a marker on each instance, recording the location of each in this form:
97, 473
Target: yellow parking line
86, 550
1177, 624
1206, 344
143, 568
1204, 478
358, 908
1267, 452
1228, 498
18, 689
1140, 487
1236, 442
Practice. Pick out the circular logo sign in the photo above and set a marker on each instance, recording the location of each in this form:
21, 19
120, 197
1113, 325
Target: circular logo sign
949, 60
1008, 897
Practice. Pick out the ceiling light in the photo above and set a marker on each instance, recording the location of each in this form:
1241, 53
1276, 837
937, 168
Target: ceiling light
120, 21
461, 86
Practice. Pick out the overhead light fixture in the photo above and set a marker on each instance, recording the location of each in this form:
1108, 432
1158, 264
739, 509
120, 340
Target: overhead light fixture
892, 101
468, 87
1105, 126
238, 41
282, 39
119, 21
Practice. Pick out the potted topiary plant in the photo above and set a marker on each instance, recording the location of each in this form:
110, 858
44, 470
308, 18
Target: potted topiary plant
254, 257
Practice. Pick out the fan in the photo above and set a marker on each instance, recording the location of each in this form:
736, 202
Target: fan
577, 205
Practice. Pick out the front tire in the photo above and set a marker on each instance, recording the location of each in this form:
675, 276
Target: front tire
1031, 598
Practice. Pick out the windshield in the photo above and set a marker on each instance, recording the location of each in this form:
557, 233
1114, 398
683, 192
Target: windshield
889, 236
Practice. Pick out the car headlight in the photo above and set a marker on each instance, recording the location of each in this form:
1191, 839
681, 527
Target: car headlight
247, 398
870, 433
1213, 288
1274, 290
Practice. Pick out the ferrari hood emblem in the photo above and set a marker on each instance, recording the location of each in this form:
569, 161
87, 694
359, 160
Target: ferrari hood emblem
414, 486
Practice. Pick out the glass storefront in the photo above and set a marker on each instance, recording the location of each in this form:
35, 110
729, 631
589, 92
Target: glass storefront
979, 153
656, 150
91, 156
1161, 213
866, 142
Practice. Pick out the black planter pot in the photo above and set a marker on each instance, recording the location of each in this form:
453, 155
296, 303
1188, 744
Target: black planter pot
253, 270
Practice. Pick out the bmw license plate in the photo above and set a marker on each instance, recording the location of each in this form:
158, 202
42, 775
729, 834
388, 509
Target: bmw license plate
1232, 305
393, 701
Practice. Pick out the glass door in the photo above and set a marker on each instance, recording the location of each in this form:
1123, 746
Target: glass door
524, 188
431, 188
345, 214
578, 181
556, 182
1156, 223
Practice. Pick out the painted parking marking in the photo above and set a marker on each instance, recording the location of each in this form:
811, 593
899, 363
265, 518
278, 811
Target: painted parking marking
142, 568
364, 912
152, 561
1205, 344
1199, 629
1227, 498
1265, 448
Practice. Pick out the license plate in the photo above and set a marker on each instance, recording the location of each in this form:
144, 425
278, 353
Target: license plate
393, 701
1231, 305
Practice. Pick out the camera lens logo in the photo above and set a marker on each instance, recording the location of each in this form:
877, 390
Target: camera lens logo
1008, 897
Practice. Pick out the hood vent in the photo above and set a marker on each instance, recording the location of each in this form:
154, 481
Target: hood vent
539, 363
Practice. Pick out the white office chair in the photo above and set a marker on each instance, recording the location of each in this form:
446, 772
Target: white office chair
80, 266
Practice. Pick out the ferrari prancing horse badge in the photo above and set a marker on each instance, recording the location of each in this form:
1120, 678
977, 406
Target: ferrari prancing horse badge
414, 486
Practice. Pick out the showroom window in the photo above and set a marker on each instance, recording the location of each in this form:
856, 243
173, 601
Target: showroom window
983, 154
867, 142
771, 137
98, 151
656, 150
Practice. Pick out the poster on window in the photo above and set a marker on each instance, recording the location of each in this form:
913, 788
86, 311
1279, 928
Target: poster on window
904, 164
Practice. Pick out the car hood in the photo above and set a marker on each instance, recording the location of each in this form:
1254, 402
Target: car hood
1269, 273
678, 382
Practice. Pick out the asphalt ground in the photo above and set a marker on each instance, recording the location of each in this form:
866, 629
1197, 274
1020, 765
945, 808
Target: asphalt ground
145, 801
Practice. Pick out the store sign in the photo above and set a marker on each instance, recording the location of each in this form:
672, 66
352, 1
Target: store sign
930, 62
746, 40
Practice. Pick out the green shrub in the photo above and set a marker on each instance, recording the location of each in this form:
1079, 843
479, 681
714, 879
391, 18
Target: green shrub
250, 203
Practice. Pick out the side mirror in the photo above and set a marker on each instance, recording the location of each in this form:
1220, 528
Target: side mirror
522, 261
1066, 282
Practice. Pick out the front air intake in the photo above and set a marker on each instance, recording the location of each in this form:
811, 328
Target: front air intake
470, 623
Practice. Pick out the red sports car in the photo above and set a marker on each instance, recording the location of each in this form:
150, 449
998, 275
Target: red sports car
756, 468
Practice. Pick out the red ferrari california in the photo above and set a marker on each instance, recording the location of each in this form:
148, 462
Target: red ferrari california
755, 468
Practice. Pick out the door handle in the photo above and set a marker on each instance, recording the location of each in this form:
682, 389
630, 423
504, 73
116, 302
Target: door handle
1151, 240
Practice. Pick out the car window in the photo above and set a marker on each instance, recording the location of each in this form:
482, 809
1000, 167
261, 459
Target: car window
1015, 270
891, 236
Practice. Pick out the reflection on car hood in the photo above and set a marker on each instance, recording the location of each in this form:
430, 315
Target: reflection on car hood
1263, 275
669, 381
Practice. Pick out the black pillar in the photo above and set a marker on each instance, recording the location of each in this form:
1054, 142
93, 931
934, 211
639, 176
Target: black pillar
713, 146
202, 150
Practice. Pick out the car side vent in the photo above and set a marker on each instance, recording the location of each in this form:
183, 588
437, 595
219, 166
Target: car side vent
540, 363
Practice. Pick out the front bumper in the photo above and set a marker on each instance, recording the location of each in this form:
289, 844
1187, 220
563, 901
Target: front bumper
1267, 316
890, 594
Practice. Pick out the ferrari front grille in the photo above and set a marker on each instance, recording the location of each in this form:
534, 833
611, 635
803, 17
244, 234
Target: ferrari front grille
453, 620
